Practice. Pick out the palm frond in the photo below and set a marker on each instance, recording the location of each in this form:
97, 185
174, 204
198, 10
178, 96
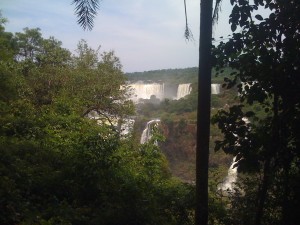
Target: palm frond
217, 9
187, 32
86, 10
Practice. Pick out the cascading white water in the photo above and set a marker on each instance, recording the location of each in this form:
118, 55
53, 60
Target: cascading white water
215, 89
229, 182
145, 91
183, 90
146, 135
232, 175
140, 90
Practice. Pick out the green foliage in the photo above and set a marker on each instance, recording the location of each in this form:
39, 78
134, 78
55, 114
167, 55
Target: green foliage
52, 54
7, 43
57, 166
264, 58
28, 44
171, 76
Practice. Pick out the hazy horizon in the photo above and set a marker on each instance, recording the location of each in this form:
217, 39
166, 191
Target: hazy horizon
144, 35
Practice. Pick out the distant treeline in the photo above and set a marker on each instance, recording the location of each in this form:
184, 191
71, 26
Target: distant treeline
174, 76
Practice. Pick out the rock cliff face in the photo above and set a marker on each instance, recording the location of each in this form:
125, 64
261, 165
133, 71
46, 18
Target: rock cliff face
180, 148
180, 140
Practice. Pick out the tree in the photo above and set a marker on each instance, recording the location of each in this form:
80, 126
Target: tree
59, 167
29, 44
7, 42
203, 109
264, 56
99, 76
51, 54
204, 80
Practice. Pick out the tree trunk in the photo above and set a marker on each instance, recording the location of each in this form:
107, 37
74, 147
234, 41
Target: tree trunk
203, 114
272, 149
263, 193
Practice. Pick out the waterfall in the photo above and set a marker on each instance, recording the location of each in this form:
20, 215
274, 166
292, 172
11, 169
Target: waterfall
183, 90
228, 183
215, 89
140, 90
146, 135
145, 91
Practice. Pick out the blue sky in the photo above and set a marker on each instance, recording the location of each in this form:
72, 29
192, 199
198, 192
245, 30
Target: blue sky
145, 35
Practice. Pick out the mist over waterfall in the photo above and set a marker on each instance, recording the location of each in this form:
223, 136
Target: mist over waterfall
183, 90
215, 89
140, 91
145, 91
146, 135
